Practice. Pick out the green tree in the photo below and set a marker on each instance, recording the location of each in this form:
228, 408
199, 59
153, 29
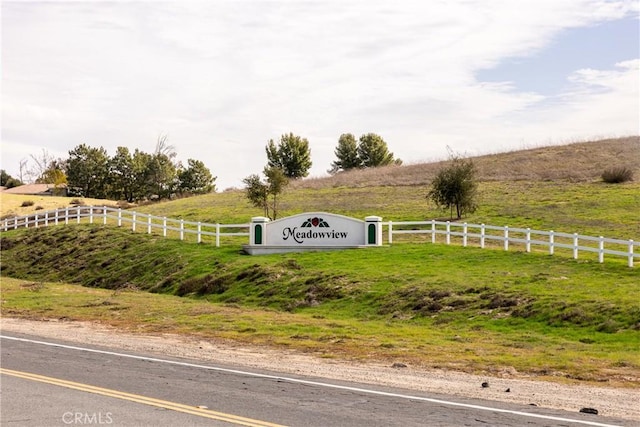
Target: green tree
455, 186
53, 174
88, 171
373, 151
162, 176
346, 153
196, 178
8, 181
259, 192
276, 183
122, 177
291, 155
142, 188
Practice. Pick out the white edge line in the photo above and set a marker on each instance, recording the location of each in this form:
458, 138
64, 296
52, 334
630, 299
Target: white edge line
314, 383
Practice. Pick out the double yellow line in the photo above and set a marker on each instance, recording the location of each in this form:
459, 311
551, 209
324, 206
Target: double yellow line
193, 410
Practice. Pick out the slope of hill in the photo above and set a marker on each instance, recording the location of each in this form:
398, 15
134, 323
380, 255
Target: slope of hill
578, 162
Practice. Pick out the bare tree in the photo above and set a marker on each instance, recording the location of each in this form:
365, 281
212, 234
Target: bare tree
163, 147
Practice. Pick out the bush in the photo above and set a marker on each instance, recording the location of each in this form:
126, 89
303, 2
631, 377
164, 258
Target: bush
27, 203
617, 175
76, 202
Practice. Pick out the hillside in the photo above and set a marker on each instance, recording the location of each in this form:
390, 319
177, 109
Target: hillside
441, 305
578, 162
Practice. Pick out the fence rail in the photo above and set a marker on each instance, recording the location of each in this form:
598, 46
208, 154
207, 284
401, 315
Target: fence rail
551, 240
466, 233
134, 220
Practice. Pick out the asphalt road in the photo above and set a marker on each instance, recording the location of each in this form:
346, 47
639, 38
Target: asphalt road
46, 383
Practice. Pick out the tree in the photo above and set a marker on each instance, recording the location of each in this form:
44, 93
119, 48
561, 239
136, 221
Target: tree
258, 192
8, 181
53, 174
346, 153
88, 171
277, 181
291, 155
162, 174
122, 176
369, 152
373, 151
41, 163
196, 178
455, 186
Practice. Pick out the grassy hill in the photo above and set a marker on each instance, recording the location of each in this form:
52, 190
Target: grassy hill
432, 305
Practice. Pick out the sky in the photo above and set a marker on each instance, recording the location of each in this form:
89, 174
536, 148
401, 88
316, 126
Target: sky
222, 78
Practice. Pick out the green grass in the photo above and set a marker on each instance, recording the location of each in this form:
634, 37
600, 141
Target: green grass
431, 305
592, 208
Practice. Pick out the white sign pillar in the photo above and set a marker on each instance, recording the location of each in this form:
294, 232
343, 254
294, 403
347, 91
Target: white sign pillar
258, 234
373, 231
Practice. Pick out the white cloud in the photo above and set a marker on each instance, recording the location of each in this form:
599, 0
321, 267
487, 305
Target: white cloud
221, 78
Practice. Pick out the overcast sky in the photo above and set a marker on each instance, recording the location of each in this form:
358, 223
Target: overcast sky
221, 78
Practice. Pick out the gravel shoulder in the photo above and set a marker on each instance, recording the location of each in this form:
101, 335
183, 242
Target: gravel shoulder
614, 402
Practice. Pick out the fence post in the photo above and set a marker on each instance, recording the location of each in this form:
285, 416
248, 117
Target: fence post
199, 231
90, 214
448, 232
46, 219
506, 237
464, 235
433, 231
149, 224
104, 215
56, 216
575, 245
66, 215
164, 226
37, 220
182, 229
119, 217
133, 222
78, 210
630, 263
482, 236
217, 235
601, 250
528, 240
390, 232
551, 242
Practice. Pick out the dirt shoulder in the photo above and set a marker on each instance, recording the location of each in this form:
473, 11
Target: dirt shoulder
614, 402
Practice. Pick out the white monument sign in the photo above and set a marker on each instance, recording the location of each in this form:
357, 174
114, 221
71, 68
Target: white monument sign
312, 231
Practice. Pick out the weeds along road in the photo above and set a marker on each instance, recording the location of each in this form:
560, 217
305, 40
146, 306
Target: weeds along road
48, 383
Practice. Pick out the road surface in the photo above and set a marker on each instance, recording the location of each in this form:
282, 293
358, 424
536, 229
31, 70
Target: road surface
52, 383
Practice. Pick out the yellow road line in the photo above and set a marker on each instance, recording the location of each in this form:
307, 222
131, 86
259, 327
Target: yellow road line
193, 410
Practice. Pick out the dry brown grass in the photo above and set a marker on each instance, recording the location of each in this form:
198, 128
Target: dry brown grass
577, 162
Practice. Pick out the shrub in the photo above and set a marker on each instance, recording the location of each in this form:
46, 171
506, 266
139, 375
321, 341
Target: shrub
27, 203
617, 175
39, 208
76, 202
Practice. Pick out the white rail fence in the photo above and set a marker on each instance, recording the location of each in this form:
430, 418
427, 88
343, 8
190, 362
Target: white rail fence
506, 236
135, 220
466, 234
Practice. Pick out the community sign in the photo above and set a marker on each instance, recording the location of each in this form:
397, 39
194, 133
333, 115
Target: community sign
312, 231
